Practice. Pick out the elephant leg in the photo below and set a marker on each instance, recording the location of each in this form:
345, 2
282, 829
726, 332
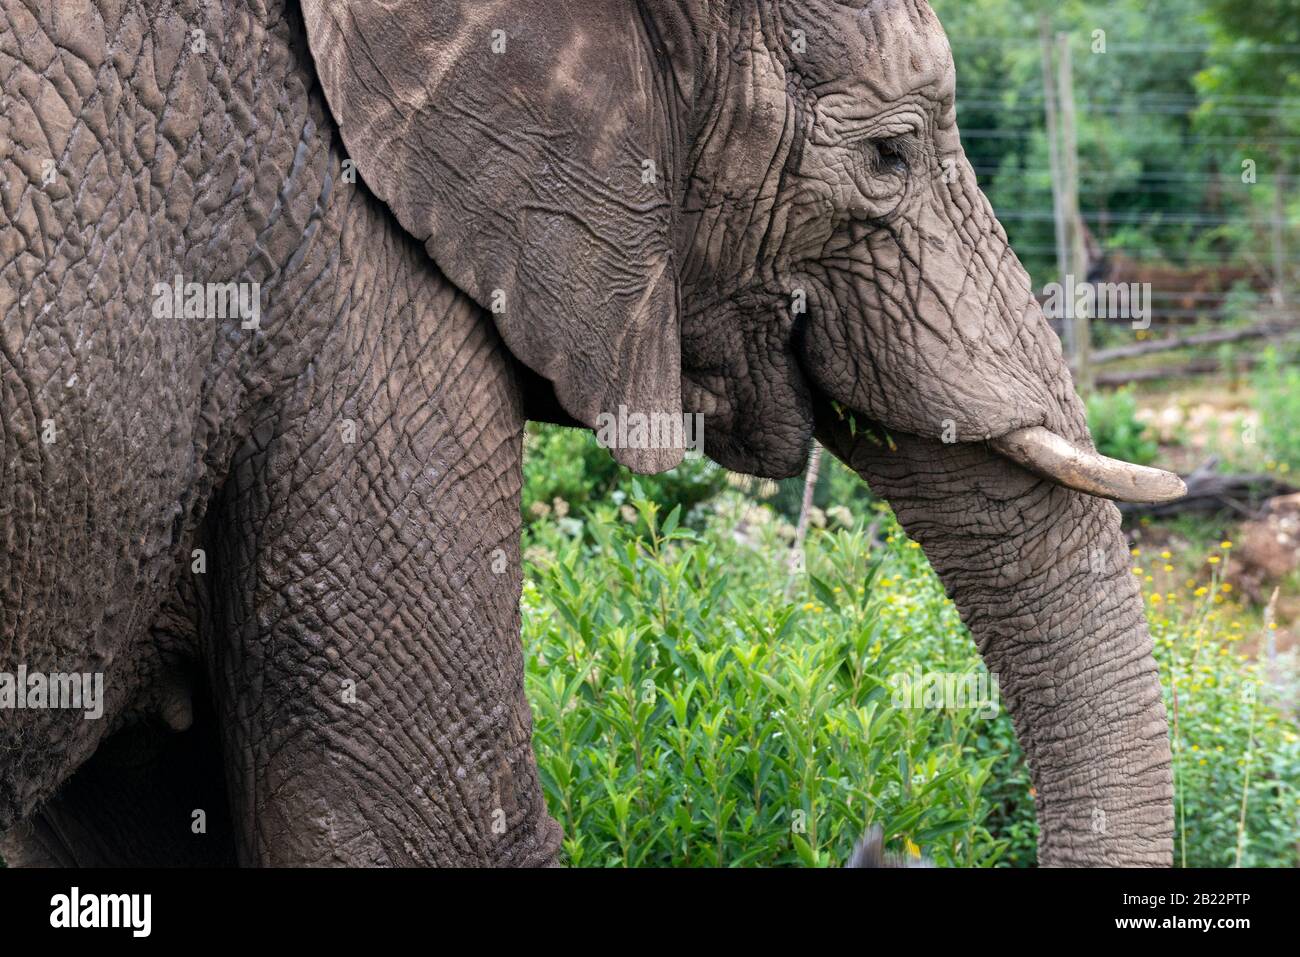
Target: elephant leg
368, 667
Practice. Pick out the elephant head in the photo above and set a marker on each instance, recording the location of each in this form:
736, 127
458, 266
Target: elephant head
762, 212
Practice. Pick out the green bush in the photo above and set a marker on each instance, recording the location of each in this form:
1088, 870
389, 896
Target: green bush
1277, 398
1236, 752
569, 465
1112, 417
567, 469
688, 712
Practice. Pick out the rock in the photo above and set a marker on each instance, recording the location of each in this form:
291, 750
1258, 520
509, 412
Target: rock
1267, 550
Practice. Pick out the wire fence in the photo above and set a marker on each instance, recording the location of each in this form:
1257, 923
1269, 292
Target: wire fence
1226, 252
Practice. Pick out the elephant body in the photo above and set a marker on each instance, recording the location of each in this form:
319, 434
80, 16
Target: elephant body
318, 551
292, 550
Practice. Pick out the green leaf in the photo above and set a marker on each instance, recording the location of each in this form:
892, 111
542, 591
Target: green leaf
670, 523
823, 592
806, 854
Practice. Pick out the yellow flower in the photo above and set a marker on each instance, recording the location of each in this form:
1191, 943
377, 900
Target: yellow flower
1225, 545
1169, 568
1166, 554
1213, 559
913, 544
809, 606
912, 849
1200, 591
1137, 571
1227, 587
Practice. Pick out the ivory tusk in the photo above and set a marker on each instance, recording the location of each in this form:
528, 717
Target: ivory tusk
1045, 453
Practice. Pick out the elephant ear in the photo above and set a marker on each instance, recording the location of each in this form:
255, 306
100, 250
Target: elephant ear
526, 147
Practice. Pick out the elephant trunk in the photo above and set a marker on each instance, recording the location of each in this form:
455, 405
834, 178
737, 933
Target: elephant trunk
1041, 574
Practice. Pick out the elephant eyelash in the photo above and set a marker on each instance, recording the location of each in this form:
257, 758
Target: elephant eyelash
894, 154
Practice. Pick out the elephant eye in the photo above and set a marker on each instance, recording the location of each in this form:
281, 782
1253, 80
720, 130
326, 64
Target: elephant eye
883, 175
891, 155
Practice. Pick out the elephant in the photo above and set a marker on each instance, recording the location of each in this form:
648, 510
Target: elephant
283, 282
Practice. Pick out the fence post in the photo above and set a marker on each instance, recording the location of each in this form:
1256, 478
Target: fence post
1063, 327
1078, 253
1280, 277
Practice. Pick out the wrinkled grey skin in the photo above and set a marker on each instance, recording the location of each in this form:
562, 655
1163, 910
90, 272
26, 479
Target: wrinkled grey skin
343, 684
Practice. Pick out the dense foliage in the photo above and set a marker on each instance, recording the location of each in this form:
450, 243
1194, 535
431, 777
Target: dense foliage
1236, 751
1112, 417
1277, 389
577, 471
687, 711
698, 701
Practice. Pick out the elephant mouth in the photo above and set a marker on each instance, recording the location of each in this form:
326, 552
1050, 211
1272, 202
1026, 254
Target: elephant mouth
1059, 460
1073, 465
1055, 458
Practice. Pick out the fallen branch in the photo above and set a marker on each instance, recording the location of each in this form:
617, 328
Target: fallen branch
1216, 337
1205, 366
